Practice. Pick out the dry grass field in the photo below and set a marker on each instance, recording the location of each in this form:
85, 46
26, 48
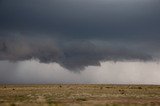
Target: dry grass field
79, 95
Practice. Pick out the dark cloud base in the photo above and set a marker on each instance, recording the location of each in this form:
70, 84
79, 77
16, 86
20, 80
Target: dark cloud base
73, 55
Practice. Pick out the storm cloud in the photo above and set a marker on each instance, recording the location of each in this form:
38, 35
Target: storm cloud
79, 33
73, 55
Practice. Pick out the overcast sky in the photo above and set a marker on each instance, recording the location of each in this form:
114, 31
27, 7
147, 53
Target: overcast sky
80, 41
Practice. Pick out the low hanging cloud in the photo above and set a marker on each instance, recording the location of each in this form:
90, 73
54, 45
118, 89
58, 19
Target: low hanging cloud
73, 55
19, 48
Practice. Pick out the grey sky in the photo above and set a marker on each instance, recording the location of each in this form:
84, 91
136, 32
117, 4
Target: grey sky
83, 18
33, 72
77, 34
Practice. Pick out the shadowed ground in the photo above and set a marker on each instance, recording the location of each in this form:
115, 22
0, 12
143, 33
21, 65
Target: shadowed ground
79, 95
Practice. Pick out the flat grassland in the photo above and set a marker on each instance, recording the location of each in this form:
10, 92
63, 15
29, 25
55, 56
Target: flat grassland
79, 95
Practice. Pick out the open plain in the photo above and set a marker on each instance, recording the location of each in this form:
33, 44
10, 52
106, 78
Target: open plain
79, 95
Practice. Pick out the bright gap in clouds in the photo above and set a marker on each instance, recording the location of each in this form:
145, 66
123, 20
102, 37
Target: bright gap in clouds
29, 72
